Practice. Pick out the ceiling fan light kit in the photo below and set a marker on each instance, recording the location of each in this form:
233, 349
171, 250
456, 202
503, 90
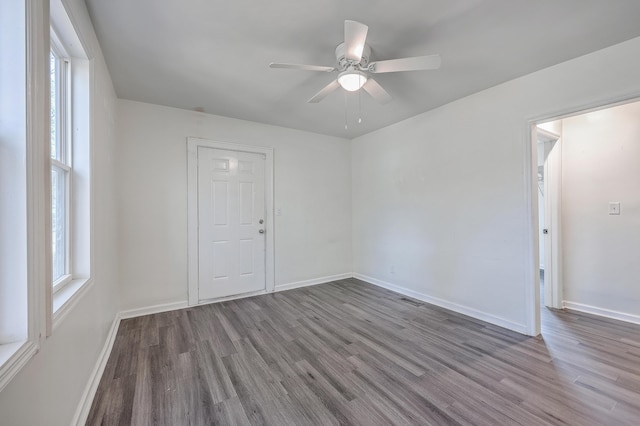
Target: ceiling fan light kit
354, 67
352, 80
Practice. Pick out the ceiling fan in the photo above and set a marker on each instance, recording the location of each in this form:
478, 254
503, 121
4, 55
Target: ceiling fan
354, 68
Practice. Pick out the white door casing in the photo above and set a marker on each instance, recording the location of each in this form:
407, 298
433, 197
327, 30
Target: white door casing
529, 139
552, 205
230, 192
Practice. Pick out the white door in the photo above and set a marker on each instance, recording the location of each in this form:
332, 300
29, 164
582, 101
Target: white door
549, 157
231, 223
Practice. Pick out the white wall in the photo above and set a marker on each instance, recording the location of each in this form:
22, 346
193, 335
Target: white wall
601, 163
47, 391
441, 197
312, 187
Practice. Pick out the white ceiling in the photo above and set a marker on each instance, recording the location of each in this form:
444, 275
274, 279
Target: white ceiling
214, 55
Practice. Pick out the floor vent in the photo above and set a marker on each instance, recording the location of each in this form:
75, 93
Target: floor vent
413, 302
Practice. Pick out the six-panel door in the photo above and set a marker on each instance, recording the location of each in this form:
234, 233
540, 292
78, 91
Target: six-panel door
231, 206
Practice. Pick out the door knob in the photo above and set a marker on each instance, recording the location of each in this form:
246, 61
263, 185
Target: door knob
261, 231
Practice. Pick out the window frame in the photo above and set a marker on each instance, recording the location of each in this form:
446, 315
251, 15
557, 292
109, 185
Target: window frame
79, 155
27, 290
62, 158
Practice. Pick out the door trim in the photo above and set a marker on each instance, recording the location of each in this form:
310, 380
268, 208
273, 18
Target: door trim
531, 278
192, 210
532, 289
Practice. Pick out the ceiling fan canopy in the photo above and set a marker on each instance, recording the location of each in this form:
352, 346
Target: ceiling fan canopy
354, 66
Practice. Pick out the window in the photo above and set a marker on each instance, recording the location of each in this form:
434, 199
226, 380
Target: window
61, 171
70, 165
26, 280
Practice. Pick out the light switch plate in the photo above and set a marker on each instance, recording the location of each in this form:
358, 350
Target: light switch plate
614, 207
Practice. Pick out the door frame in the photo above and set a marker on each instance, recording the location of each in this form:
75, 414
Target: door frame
532, 289
193, 143
530, 157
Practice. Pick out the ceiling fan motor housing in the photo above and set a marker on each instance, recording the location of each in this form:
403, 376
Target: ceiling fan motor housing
344, 63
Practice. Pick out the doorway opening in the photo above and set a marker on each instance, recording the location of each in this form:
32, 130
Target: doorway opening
584, 242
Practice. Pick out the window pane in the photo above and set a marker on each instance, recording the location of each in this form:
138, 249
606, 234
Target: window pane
58, 222
54, 104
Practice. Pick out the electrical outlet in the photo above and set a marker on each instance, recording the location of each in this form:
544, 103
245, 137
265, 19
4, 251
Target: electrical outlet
392, 270
614, 207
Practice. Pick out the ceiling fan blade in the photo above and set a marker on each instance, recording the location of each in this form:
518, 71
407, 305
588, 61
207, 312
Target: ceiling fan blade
301, 67
355, 36
377, 92
324, 92
417, 63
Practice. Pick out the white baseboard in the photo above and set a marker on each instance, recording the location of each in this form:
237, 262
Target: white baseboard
82, 412
314, 281
635, 319
166, 307
465, 310
154, 309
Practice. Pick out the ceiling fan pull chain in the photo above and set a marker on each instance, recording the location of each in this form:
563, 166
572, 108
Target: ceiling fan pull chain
345, 111
359, 107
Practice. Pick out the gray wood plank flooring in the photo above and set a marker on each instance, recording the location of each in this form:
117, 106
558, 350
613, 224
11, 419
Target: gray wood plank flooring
351, 353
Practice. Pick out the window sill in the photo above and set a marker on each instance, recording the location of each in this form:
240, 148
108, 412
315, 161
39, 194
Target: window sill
61, 283
67, 297
14, 356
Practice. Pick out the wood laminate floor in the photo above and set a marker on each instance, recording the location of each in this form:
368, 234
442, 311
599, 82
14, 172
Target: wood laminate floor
351, 353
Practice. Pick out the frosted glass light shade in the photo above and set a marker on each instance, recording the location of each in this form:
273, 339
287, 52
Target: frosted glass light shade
352, 80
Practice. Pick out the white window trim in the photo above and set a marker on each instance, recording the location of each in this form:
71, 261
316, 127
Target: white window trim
13, 357
61, 282
64, 109
69, 289
64, 95
67, 277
